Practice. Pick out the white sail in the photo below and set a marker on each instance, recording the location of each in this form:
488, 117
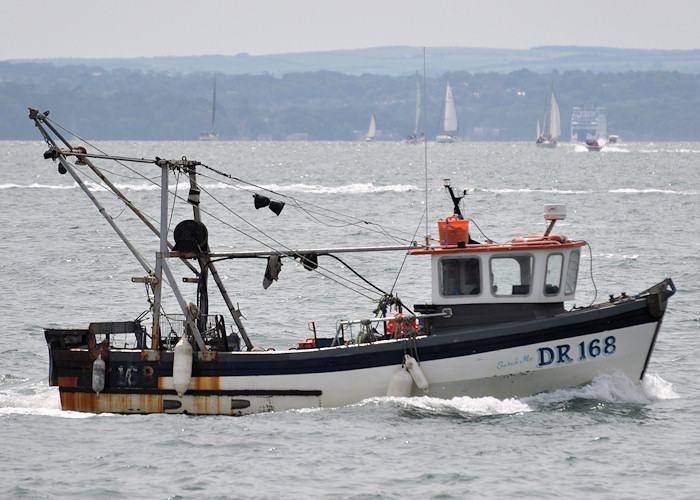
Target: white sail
551, 123
415, 128
450, 112
372, 129
554, 117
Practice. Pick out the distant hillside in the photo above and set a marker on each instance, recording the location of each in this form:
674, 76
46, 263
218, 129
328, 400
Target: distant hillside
123, 104
401, 61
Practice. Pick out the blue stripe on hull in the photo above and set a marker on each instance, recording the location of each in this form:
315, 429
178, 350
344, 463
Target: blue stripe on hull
127, 371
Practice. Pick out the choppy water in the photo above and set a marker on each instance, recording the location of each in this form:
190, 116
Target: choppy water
636, 204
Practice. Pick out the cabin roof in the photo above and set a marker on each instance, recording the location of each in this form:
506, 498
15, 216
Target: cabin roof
528, 243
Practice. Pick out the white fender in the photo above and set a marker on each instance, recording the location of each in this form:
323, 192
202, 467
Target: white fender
98, 374
418, 376
400, 384
182, 366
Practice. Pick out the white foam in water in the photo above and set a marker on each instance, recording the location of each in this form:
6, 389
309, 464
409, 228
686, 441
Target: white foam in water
35, 186
475, 406
347, 189
36, 399
610, 388
658, 388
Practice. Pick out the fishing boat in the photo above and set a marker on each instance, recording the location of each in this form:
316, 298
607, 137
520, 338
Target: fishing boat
449, 122
211, 134
413, 138
495, 323
372, 130
551, 124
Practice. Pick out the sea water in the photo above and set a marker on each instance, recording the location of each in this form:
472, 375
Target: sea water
636, 205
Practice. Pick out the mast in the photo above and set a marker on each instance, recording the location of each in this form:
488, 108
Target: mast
213, 107
162, 265
206, 263
425, 147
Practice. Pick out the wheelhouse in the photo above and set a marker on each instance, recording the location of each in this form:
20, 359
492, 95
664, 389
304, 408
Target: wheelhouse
508, 273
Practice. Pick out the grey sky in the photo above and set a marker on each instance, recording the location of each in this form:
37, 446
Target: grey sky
135, 28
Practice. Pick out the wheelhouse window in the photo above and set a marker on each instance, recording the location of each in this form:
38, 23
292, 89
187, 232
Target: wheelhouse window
553, 274
572, 272
460, 276
511, 275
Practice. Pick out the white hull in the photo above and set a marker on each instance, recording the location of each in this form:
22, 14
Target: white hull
547, 144
445, 138
513, 372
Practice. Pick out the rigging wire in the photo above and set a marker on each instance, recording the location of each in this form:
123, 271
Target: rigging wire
403, 262
355, 221
223, 174
217, 218
595, 288
275, 241
357, 274
325, 211
482, 232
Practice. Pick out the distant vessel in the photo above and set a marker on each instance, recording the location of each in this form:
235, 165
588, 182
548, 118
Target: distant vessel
449, 129
551, 124
614, 139
413, 139
372, 131
593, 145
211, 135
588, 122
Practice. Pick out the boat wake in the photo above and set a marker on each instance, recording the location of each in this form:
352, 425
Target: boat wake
606, 389
38, 399
616, 149
29, 399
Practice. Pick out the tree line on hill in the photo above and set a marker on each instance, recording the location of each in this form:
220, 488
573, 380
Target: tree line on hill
127, 104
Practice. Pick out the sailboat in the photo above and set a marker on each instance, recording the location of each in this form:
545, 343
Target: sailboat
493, 323
211, 135
547, 138
371, 132
413, 139
449, 129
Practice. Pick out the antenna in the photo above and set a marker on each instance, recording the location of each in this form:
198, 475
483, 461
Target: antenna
425, 147
455, 199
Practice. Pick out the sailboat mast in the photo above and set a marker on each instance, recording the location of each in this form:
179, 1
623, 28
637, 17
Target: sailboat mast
415, 128
213, 107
